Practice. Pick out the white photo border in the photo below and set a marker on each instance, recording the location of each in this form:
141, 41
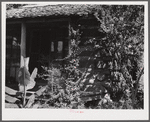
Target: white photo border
79, 114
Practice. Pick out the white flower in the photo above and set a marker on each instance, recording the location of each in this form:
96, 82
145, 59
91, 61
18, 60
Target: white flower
129, 46
91, 80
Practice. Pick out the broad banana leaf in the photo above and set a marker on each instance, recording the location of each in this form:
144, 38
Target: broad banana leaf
9, 105
11, 99
32, 82
10, 91
31, 101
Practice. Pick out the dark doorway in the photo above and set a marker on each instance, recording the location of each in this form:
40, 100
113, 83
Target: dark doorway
39, 49
45, 47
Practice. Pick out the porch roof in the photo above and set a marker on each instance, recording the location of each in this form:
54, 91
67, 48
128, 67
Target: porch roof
52, 10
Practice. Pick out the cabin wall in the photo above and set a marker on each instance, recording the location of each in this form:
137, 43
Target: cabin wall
89, 29
39, 38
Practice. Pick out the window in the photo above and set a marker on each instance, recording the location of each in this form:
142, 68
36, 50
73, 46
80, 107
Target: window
12, 58
13, 36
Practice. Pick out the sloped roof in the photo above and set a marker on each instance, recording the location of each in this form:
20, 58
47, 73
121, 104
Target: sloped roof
52, 10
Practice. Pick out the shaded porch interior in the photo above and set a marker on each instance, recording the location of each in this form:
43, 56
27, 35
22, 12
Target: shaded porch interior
44, 43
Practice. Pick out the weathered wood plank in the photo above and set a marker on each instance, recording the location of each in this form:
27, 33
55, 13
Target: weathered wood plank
90, 98
40, 20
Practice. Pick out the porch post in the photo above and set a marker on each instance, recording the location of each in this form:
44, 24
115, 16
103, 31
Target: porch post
23, 53
23, 40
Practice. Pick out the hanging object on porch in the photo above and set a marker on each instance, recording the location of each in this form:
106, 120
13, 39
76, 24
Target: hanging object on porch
52, 46
60, 46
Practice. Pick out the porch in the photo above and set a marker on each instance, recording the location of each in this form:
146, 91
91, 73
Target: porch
41, 41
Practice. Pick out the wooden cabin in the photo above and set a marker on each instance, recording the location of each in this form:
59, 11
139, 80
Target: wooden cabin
36, 31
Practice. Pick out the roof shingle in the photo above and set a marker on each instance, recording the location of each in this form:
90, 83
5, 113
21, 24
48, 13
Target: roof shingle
52, 10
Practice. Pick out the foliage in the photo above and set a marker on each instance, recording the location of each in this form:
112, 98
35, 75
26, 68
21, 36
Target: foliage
124, 38
14, 99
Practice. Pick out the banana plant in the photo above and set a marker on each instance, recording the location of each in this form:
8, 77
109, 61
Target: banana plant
26, 81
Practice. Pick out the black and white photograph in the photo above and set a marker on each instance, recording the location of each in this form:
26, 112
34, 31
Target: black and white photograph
75, 57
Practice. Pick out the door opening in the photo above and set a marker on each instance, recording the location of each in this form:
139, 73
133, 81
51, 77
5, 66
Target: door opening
45, 47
